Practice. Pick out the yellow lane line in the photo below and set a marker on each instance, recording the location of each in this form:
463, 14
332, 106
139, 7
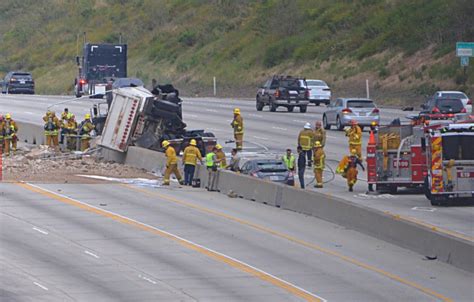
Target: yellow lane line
430, 226
298, 241
242, 266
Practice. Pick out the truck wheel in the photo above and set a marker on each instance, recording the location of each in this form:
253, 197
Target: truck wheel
290, 108
325, 123
259, 105
339, 125
303, 109
273, 107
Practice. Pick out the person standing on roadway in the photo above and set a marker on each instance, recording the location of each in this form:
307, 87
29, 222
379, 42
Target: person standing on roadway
289, 160
319, 164
301, 165
64, 120
348, 168
191, 155
305, 140
51, 128
355, 138
171, 164
211, 166
85, 130
10, 129
238, 126
71, 132
221, 157
319, 134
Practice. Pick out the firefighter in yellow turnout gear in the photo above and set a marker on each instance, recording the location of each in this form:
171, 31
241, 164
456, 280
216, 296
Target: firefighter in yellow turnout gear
85, 130
319, 164
171, 164
221, 157
306, 141
238, 126
51, 129
355, 138
348, 168
70, 128
9, 130
319, 134
191, 155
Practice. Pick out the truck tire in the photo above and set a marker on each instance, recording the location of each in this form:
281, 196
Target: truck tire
339, 125
273, 107
326, 125
290, 108
303, 109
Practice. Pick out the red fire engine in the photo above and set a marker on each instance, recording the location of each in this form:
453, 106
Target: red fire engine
450, 159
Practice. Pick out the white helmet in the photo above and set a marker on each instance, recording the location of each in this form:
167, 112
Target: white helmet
307, 126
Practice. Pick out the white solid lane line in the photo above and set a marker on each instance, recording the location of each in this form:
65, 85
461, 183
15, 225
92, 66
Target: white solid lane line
279, 128
147, 279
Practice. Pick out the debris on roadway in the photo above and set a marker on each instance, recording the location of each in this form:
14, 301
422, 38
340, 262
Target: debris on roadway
42, 163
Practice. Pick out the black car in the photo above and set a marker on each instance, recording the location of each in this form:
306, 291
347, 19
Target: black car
283, 91
443, 106
18, 82
270, 169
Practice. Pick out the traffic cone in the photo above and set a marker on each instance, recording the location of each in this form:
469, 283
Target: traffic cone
372, 138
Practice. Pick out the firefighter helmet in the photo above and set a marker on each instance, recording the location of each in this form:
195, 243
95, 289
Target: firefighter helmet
307, 126
165, 144
237, 111
192, 142
8, 116
87, 116
353, 152
218, 147
317, 144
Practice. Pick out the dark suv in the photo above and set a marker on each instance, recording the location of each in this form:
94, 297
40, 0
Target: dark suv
443, 106
18, 82
283, 91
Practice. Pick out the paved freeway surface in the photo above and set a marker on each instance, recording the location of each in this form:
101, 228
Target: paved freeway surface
269, 134
114, 242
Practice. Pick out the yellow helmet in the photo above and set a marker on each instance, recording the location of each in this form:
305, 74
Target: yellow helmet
165, 144
354, 152
192, 142
237, 111
8, 116
218, 147
317, 144
87, 116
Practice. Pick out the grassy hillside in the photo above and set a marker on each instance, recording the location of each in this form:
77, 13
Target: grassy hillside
405, 48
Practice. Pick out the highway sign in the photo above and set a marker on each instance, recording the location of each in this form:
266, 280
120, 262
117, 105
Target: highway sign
464, 61
465, 49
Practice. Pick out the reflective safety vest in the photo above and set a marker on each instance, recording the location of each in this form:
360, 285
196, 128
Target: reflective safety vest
289, 162
319, 159
210, 159
305, 139
191, 155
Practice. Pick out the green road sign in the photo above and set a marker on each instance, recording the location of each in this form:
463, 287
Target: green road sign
465, 49
464, 61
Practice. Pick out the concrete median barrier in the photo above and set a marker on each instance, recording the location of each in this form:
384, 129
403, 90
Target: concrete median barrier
30, 133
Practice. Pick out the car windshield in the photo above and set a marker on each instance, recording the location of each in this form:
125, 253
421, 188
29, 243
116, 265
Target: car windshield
25, 76
273, 166
315, 83
360, 104
290, 83
454, 95
451, 105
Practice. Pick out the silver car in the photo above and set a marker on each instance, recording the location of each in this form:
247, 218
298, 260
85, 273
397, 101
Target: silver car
319, 92
341, 112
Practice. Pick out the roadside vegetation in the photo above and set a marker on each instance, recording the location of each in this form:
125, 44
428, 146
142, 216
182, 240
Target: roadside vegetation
404, 48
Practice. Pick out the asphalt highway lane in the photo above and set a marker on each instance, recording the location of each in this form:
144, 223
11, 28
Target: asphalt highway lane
268, 134
110, 242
